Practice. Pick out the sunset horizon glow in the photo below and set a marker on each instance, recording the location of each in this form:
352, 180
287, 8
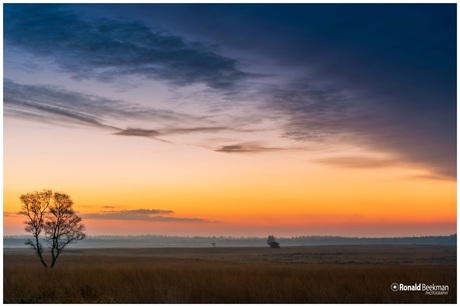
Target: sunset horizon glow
234, 120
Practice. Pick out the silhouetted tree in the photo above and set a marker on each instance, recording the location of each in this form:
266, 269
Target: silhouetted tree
34, 206
63, 226
271, 241
53, 214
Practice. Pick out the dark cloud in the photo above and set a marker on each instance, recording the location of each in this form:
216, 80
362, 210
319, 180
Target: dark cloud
107, 49
150, 215
155, 133
358, 162
138, 132
313, 112
247, 148
142, 133
422, 135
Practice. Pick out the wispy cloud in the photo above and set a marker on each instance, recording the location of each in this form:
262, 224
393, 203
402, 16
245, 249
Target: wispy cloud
140, 132
247, 148
57, 105
10, 214
358, 162
154, 133
431, 177
150, 215
108, 49
198, 130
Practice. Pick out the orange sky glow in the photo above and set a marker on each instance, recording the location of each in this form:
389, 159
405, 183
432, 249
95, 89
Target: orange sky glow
247, 194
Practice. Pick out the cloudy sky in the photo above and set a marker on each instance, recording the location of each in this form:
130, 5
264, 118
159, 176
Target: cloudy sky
236, 119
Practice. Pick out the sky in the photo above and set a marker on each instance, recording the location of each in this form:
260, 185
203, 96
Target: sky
234, 119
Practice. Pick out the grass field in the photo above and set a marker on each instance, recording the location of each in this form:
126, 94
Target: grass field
321, 274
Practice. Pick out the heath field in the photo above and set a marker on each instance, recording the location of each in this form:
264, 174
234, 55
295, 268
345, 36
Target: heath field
308, 274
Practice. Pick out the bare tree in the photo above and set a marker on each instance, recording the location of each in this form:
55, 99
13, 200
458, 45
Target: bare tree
34, 206
63, 226
53, 214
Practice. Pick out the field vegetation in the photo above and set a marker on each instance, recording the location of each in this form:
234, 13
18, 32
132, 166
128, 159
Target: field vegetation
327, 274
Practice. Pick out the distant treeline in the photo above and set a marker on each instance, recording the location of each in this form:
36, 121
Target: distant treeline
175, 241
334, 240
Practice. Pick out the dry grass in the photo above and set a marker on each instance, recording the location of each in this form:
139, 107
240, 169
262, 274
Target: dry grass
195, 276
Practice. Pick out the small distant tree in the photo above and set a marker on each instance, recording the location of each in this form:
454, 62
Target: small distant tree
271, 241
53, 215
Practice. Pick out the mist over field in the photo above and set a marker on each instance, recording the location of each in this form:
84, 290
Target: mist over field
197, 241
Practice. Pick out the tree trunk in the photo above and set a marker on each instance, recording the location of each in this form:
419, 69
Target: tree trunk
39, 252
42, 261
54, 257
